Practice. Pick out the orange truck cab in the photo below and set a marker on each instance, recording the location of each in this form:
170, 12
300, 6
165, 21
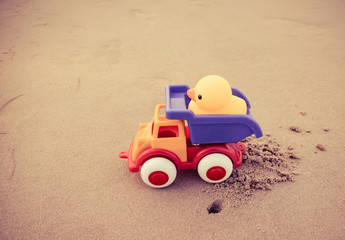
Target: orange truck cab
163, 146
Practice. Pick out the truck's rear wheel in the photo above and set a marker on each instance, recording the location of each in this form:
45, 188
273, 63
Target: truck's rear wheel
215, 168
158, 172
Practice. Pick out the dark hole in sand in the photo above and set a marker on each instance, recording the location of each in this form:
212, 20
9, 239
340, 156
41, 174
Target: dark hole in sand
215, 207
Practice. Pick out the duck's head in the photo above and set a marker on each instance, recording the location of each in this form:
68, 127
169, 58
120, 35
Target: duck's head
211, 93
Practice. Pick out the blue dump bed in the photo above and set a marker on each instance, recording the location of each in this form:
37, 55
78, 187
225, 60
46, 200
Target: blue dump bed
208, 129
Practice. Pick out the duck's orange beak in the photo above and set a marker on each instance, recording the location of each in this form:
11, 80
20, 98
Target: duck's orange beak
191, 94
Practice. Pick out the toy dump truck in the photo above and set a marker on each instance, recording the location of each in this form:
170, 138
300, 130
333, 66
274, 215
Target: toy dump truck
181, 140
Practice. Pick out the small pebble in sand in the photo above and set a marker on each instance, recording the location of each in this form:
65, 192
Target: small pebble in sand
303, 113
308, 131
320, 147
295, 129
326, 129
290, 148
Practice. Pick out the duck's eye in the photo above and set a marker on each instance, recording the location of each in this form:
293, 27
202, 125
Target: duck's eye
200, 97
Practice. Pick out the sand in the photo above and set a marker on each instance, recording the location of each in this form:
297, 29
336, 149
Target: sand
264, 165
77, 78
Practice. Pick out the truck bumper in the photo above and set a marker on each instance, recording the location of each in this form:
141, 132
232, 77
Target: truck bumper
132, 166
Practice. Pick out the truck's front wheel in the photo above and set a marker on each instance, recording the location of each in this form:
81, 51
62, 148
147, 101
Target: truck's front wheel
215, 168
158, 172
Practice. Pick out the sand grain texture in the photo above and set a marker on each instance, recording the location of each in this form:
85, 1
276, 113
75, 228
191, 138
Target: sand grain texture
264, 165
77, 78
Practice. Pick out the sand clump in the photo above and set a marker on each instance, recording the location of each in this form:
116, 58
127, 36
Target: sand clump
320, 147
326, 129
265, 163
295, 129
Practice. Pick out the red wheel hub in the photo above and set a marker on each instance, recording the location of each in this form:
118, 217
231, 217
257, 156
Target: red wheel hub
216, 173
158, 178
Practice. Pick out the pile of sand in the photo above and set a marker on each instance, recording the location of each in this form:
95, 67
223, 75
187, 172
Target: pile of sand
265, 163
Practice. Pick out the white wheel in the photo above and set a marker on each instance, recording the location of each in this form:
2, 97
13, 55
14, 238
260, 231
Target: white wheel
158, 172
215, 168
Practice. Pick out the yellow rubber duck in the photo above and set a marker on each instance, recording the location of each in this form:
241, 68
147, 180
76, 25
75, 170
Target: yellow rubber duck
213, 95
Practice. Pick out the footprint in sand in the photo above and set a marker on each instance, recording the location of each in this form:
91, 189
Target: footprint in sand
136, 11
199, 3
81, 56
142, 13
41, 22
7, 54
109, 52
199, 8
154, 84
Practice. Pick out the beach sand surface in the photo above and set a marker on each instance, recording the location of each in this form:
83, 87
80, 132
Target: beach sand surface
77, 78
